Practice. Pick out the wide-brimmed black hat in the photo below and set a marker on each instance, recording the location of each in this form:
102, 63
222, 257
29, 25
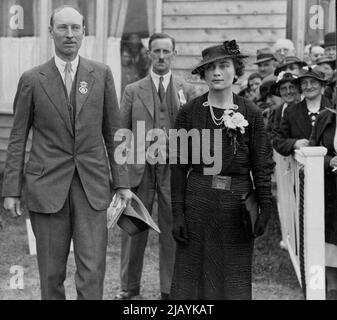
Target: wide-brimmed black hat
282, 78
288, 61
229, 49
328, 60
308, 72
329, 40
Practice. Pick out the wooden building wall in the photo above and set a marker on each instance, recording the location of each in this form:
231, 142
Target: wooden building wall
197, 24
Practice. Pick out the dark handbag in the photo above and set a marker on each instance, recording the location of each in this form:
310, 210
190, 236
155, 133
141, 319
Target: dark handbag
250, 211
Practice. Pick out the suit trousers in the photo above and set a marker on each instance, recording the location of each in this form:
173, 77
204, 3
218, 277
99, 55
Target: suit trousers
156, 179
53, 232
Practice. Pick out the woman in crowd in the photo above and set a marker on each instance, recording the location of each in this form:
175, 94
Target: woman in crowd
254, 82
325, 134
286, 88
299, 119
291, 65
214, 249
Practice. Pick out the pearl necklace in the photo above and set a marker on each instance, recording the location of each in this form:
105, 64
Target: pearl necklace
221, 120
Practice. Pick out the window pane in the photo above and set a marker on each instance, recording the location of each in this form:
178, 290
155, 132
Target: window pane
128, 31
20, 44
137, 19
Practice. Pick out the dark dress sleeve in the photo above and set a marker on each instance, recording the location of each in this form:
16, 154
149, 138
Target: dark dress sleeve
284, 144
180, 170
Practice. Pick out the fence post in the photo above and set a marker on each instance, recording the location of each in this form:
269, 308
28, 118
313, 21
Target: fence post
314, 237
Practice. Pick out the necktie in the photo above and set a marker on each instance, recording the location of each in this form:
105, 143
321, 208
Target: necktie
67, 78
313, 117
161, 89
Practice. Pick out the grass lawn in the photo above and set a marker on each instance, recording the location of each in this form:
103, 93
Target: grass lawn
273, 274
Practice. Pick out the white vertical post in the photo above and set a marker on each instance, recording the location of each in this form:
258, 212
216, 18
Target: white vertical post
102, 18
314, 237
159, 16
299, 18
46, 43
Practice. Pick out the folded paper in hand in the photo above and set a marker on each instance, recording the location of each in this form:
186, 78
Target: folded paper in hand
115, 210
133, 218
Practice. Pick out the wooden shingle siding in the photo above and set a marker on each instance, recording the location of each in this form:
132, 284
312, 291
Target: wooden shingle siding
197, 24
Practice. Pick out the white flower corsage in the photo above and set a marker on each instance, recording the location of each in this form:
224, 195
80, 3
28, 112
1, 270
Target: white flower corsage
231, 120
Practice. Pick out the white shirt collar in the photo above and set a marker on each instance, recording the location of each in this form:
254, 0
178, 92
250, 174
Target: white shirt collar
156, 78
60, 64
314, 108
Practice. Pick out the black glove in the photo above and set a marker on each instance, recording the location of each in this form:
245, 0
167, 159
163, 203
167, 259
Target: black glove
261, 223
179, 231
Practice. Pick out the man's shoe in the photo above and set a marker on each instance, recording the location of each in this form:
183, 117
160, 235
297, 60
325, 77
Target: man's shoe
127, 294
164, 296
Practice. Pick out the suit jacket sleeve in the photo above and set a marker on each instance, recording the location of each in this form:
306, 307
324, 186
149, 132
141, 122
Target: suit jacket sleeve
22, 122
261, 161
111, 124
284, 144
180, 170
126, 108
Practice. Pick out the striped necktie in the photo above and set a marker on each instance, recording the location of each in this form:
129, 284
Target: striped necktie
161, 89
67, 78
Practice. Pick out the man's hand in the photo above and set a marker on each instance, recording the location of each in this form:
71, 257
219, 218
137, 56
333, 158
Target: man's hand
13, 205
301, 143
125, 195
179, 231
333, 163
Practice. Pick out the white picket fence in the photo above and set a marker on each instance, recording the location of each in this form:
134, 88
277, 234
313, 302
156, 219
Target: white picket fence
300, 200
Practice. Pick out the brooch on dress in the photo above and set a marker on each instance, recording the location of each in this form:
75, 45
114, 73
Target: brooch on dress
233, 121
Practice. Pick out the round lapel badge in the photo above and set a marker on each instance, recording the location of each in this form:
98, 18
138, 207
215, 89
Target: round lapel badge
83, 87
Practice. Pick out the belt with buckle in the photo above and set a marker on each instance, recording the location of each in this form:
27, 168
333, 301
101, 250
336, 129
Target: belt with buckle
222, 182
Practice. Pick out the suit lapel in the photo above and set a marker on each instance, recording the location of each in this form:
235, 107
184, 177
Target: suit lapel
146, 94
51, 83
85, 82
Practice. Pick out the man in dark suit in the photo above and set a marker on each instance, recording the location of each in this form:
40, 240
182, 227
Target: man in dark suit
154, 102
70, 104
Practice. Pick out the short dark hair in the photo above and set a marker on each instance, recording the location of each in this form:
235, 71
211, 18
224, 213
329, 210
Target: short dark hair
254, 75
160, 35
58, 9
238, 66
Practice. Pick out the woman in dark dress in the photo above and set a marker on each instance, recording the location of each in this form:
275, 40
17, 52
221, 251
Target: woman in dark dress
325, 134
214, 249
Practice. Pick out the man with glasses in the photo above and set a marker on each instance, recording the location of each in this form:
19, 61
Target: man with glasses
152, 102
